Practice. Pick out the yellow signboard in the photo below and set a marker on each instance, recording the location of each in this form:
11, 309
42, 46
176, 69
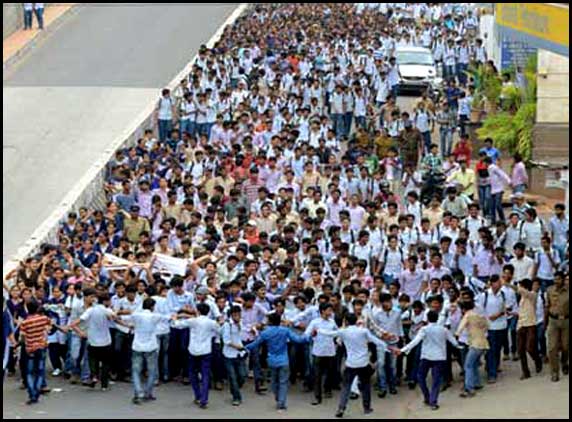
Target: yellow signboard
544, 21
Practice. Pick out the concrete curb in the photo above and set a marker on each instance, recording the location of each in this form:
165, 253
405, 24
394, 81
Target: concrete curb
42, 35
89, 188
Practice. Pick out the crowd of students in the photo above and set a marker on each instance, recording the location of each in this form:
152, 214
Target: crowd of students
287, 177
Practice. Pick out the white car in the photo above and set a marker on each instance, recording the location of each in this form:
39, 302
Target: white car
417, 69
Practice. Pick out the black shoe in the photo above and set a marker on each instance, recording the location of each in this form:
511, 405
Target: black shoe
426, 403
328, 394
539, 366
524, 377
45, 390
149, 398
316, 402
435, 407
565, 370
354, 396
204, 406
197, 402
31, 402
479, 387
136, 400
382, 394
340, 414
412, 385
368, 411
555, 378
393, 391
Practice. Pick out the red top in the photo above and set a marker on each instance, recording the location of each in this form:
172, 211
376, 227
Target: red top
463, 150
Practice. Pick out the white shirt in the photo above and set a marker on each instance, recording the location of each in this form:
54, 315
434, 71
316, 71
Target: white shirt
494, 305
125, 304
97, 320
202, 330
162, 308
522, 268
390, 322
434, 339
545, 268
322, 345
231, 333
355, 340
145, 325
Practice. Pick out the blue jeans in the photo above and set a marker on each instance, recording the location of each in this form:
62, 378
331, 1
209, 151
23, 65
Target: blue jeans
561, 251
449, 71
202, 129
137, 361
35, 373
200, 364
163, 358
484, 199
40, 17
338, 124
28, 19
519, 188
78, 362
165, 127
348, 118
395, 90
426, 141
279, 376
386, 365
360, 121
463, 119
471, 367
511, 332
187, 126
541, 339
446, 136
495, 338
437, 368
237, 372
545, 284
254, 363
496, 207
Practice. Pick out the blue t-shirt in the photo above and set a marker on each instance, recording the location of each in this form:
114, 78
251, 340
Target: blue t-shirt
491, 152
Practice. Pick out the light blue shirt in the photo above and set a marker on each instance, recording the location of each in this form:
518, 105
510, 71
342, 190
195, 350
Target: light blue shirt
145, 324
231, 334
434, 338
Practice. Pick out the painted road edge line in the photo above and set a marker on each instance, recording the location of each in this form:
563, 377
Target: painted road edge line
41, 234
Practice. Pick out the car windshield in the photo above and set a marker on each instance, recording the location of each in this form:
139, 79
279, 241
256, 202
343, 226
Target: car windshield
409, 57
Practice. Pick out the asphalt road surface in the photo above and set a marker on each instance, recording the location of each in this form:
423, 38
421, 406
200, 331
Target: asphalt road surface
79, 89
510, 398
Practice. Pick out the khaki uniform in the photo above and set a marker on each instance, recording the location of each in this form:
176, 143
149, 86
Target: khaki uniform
558, 326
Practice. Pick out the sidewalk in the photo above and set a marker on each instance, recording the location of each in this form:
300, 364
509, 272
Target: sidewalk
20, 41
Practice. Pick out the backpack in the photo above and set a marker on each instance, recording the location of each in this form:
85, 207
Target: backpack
386, 252
503, 297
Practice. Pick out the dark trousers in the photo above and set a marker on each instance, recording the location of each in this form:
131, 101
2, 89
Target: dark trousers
99, 361
323, 368
57, 353
254, 364
364, 376
527, 343
200, 364
40, 17
237, 372
218, 367
178, 345
28, 19
437, 368
495, 338
412, 366
122, 353
496, 207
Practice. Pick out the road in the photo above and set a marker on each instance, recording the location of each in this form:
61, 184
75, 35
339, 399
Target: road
536, 398
79, 89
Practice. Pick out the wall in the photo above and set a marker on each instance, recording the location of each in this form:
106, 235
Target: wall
553, 88
12, 18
